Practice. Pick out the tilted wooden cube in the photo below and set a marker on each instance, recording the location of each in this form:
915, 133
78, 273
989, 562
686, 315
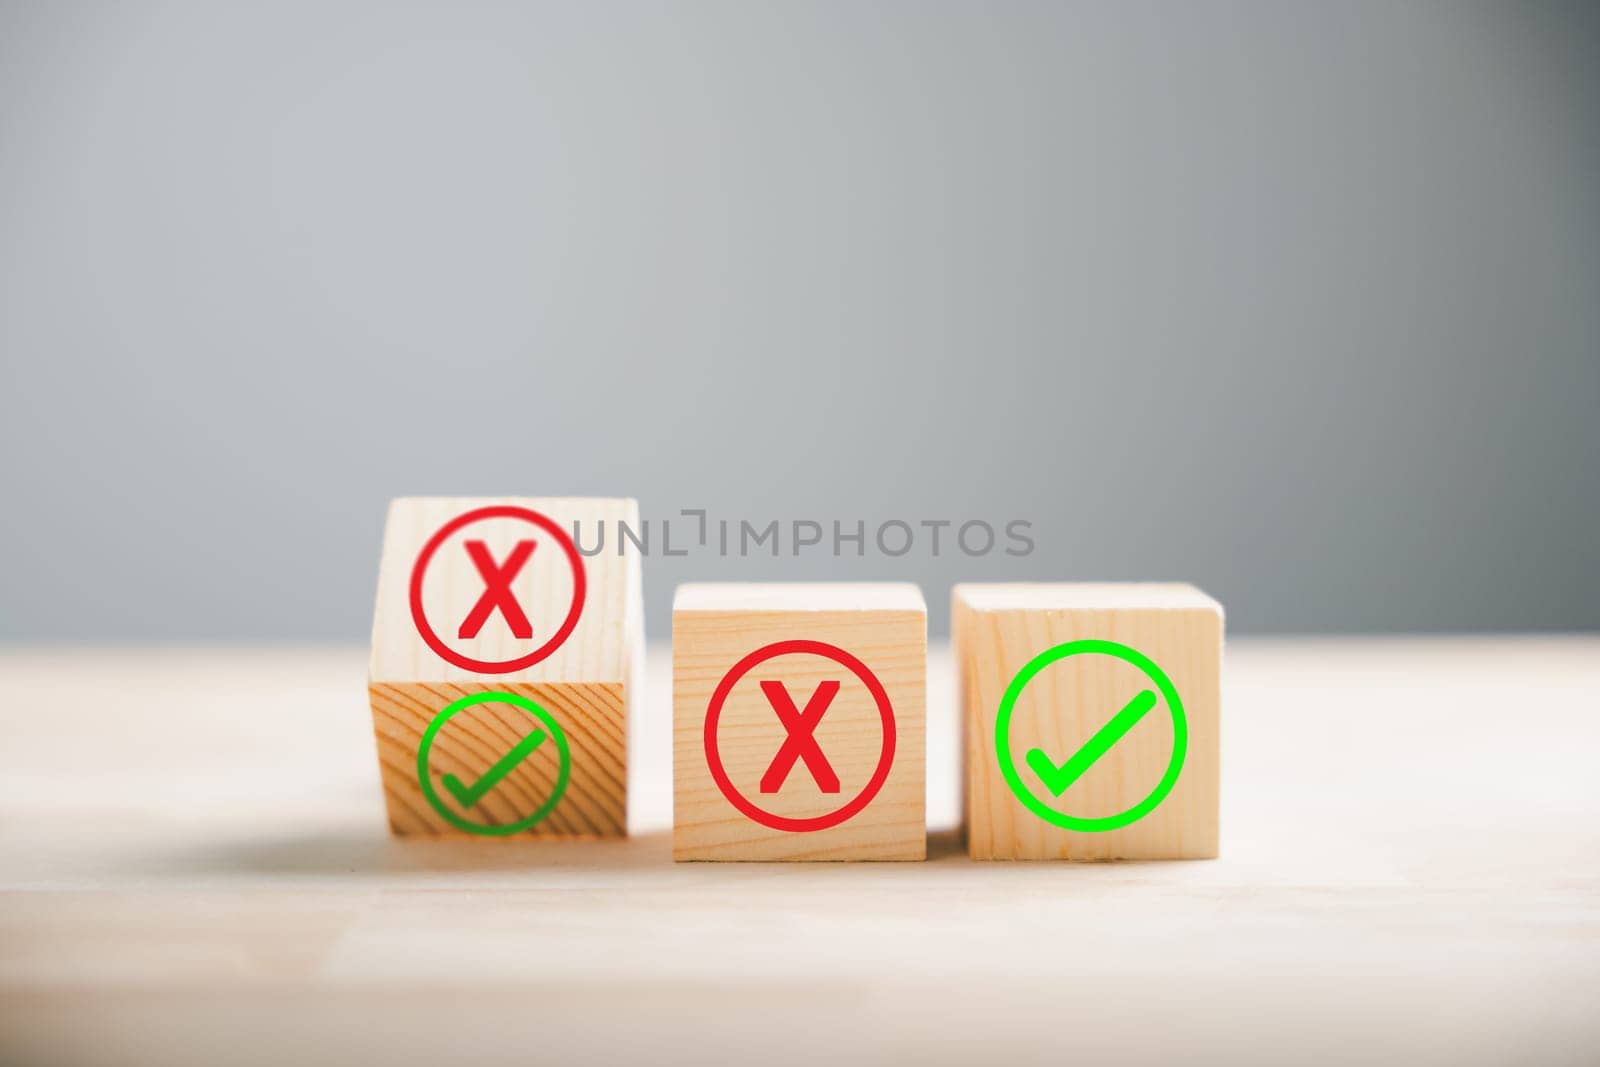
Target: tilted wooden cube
504, 665
1091, 718
799, 722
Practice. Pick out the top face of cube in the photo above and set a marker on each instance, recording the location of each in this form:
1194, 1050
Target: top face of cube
1083, 596
471, 589
798, 597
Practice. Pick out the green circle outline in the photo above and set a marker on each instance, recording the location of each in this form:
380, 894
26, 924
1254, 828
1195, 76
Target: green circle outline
1146, 666
563, 773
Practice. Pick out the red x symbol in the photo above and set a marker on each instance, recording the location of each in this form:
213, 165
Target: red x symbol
800, 744
497, 589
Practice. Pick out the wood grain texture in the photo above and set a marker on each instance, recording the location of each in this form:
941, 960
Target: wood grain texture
998, 629
591, 717
714, 627
587, 683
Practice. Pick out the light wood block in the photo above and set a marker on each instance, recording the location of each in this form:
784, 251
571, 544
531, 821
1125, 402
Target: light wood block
498, 594
845, 665
997, 630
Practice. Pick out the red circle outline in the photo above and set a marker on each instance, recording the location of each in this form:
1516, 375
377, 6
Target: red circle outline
498, 511
719, 773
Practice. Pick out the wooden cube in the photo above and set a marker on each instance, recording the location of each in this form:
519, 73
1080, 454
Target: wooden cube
799, 722
1091, 715
504, 663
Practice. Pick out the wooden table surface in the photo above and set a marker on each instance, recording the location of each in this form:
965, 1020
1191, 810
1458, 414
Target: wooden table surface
194, 868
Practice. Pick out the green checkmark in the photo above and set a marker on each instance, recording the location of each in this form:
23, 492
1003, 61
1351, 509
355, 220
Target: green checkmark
467, 796
1059, 779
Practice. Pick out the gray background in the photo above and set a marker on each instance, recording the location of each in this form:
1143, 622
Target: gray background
1299, 301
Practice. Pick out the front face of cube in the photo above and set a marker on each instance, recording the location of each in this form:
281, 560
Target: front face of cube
799, 736
1091, 735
